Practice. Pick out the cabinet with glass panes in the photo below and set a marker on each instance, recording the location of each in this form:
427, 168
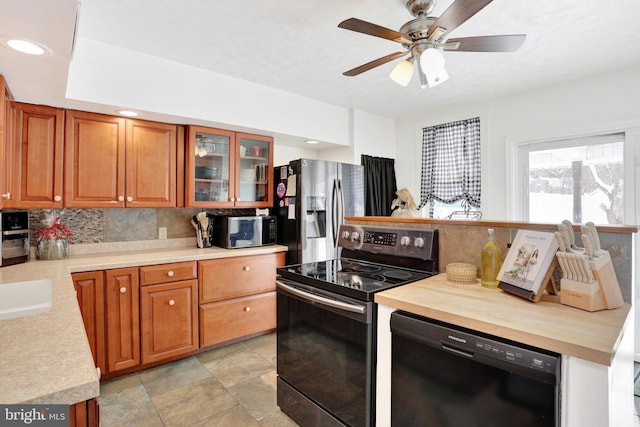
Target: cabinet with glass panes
228, 169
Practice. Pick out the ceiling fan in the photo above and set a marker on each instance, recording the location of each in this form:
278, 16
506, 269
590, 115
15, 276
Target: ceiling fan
425, 37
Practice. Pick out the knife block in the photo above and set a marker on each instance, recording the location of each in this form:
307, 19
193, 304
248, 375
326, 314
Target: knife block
602, 293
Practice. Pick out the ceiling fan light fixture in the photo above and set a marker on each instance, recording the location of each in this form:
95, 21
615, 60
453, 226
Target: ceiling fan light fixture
402, 72
432, 65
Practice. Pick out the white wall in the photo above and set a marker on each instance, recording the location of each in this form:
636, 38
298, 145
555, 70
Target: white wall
599, 103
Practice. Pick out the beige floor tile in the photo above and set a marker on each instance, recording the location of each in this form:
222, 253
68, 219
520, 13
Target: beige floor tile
278, 419
193, 402
236, 416
257, 395
125, 406
173, 375
220, 352
238, 367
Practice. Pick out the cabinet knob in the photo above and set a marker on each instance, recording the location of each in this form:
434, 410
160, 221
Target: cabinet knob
246, 268
6, 196
170, 273
121, 198
172, 302
232, 199
123, 290
57, 198
129, 199
247, 308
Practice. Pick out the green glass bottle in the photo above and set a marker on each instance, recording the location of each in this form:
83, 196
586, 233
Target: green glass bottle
491, 261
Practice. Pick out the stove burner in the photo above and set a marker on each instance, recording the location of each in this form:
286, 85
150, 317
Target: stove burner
354, 266
396, 274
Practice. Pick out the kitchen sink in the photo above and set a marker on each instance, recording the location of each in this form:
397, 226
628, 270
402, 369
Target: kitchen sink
18, 299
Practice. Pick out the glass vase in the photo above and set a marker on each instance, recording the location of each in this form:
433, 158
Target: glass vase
52, 249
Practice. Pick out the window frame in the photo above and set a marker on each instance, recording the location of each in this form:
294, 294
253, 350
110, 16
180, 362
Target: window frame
519, 170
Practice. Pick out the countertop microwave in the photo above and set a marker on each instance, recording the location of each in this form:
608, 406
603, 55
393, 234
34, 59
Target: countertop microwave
244, 231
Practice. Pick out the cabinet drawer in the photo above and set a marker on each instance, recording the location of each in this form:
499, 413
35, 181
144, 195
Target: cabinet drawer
239, 276
239, 317
163, 273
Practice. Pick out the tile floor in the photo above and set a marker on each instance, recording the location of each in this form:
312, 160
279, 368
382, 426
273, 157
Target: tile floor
233, 385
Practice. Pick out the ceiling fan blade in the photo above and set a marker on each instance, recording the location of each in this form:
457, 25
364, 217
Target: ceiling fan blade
456, 15
376, 62
364, 27
506, 43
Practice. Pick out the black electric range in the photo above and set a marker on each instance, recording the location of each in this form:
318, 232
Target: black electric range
373, 259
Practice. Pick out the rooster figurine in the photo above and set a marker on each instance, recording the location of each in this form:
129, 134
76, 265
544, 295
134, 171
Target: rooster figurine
404, 203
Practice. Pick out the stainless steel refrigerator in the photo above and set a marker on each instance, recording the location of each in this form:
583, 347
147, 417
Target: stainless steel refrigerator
312, 197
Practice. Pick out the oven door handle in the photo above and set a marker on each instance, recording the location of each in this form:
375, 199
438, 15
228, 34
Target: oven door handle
322, 300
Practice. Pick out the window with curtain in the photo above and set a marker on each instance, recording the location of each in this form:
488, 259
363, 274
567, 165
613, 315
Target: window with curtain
450, 179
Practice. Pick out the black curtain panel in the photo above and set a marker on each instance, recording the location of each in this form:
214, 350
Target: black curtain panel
380, 185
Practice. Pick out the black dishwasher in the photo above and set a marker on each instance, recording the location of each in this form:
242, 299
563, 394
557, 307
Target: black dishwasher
445, 375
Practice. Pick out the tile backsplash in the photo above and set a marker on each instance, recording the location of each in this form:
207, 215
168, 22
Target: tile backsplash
123, 225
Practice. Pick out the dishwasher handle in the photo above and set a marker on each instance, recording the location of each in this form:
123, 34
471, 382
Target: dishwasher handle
317, 299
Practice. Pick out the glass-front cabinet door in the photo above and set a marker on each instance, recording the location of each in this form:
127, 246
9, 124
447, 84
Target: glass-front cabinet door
209, 167
254, 170
228, 169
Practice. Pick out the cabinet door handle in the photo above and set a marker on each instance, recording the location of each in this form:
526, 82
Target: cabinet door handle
129, 199
232, 199
121, 198
172, 302
170, 273
247, 309
6, 196
123, 290
57, 198
246, 268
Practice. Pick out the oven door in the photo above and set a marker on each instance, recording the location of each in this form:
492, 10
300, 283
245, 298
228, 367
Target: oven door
326, 356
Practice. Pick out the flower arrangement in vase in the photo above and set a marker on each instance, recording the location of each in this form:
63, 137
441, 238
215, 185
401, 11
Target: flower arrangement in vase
52, 242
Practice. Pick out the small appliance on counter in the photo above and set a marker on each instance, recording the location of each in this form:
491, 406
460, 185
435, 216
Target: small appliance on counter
14, 232
244, 231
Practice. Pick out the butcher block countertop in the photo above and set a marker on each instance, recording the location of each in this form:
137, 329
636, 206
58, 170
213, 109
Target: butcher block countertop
592, 336
45, 358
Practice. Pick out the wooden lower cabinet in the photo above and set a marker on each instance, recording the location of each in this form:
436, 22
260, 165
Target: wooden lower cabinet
85, 414
89, 288
227, 320
237, 296
169, 320
122, 310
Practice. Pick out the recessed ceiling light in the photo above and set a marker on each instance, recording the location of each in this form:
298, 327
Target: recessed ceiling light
28, 47
128, 113
311, 141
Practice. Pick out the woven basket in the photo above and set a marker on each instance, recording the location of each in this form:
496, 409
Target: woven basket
462, 273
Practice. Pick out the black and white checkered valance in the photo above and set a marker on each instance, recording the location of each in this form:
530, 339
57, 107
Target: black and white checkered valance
451, 163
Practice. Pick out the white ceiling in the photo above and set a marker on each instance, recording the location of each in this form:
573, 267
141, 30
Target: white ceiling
296, 46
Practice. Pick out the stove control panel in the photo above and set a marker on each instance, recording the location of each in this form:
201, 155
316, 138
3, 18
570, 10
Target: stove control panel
407, 242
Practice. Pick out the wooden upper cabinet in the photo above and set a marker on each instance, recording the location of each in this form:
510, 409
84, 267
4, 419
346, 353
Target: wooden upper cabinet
151, 164
7, 125
37, 152
228, 169
116, 162
94, 160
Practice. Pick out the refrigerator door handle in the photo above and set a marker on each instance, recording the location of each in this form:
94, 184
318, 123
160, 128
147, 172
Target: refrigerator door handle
334, 212
340, 212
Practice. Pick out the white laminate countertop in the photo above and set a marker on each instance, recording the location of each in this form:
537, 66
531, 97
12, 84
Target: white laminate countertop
548, 324
45, 358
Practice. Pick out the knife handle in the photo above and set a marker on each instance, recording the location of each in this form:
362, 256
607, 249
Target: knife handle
560, 241
587, 241
565, 234
594, 236
572, 234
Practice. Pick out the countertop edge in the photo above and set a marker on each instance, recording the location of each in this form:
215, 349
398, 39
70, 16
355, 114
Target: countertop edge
509, 320
80, 380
